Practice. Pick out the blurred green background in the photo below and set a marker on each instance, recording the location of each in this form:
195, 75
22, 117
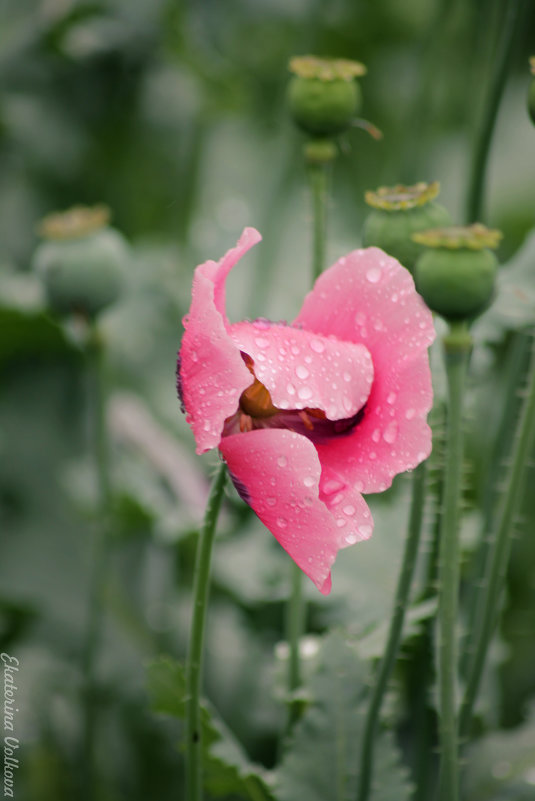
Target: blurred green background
173, 114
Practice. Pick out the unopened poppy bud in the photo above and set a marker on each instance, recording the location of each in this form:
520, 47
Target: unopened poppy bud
531, 91
323, 95
456, 275
81, 260
397, 213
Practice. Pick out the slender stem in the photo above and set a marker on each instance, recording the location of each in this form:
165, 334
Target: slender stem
457, 351
97, 402
318, 174
516, 369
500, 549
295, 626
480, 155
196, 641
396, 626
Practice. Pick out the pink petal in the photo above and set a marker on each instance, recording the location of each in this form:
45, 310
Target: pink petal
303, 370
211, 371
369, 298
217, 271
278, 472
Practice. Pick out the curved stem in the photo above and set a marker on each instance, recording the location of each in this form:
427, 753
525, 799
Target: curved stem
396, 626
500, 549
457, 351
480, 155
318, 174
97, 403
196, 641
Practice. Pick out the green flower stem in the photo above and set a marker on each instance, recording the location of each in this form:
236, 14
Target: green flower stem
500, 550
196, 641
95, 354
479, 159
295, 626
318, 178
457, 345
396, 626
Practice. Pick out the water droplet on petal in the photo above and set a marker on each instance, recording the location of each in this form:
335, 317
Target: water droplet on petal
351, 538
194, 356
409, 414
391, 432
376, 435
341, 522
394, 297
373, 275
295, 350
391, 398
301, 371
290, 389
349, 510
282, 461
282, 522
262, 342
331, 486
309, 481
337, 499
347, 377
304, 393
271, 501
365, 531
317, 345
346, 403
359, 486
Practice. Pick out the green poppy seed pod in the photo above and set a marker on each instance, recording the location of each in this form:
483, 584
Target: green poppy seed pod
81, 261
456, 275
397, 213
323, 95
531, 91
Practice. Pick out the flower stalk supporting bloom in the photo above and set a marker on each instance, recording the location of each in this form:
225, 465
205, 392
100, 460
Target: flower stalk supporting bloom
95, 352
490, 598
396, 627
201, 583
457, 346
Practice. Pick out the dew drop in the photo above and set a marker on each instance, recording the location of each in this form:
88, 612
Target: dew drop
349, 510
290, 389
304, 393
351, 538
337, 499
391, 432
341, 522
282, 461
409, 414
394, 297
194, 356
359, 486
373, 275
282, 522
301, 371
391, 398
331, 486
271, 501
207, 426
346, 403
295, 350
376, 435
309, 481
347, 377
262, 342
317, 345
365, 531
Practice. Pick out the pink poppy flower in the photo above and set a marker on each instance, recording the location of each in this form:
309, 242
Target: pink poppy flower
311, 414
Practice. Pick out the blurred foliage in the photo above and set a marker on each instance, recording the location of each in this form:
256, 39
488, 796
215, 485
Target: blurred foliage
172, 113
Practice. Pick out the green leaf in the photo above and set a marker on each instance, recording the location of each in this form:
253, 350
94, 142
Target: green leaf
227, 768
321, 761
